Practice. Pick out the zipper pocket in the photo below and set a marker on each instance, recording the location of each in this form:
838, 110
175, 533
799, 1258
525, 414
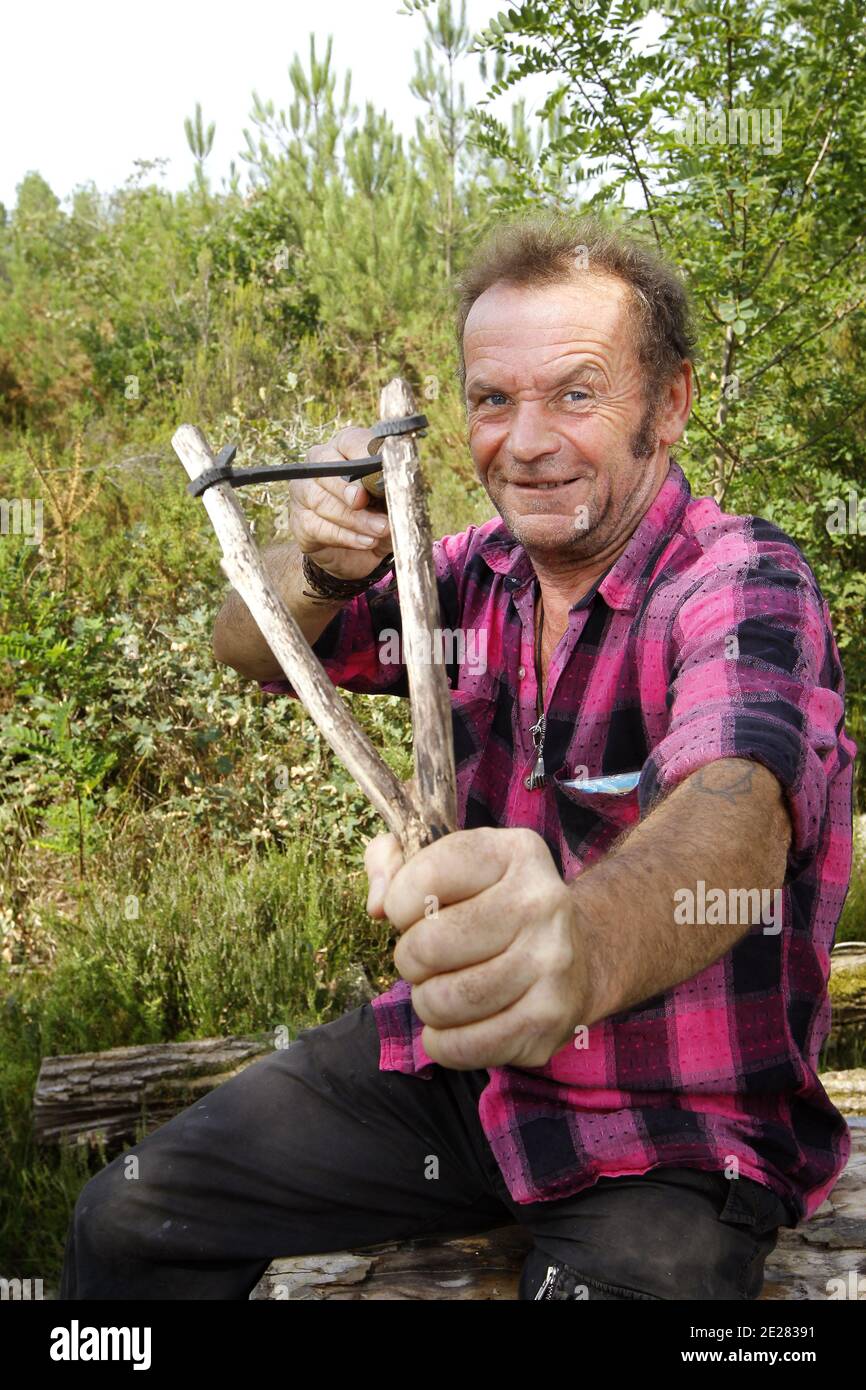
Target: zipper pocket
546, 1290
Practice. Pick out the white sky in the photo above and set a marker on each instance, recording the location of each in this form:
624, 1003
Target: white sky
87, 87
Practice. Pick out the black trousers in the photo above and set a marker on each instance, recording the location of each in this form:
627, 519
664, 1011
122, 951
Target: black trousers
313, 1149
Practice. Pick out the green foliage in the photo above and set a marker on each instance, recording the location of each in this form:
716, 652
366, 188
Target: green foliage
120, 715
206, 949
169, 834
199, 140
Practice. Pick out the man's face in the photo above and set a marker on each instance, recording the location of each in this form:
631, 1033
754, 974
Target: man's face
558, 422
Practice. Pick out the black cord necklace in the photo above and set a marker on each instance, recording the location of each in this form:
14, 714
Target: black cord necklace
536, 777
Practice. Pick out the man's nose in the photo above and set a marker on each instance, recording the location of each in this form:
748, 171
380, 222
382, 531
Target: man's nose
531, 432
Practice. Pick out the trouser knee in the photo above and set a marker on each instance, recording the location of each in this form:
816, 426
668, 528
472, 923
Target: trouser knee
103, 1220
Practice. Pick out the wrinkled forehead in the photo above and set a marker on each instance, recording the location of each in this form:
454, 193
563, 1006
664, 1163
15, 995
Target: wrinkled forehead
589, 316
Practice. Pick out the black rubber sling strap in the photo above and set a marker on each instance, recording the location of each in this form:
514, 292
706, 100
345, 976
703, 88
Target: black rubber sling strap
222, 471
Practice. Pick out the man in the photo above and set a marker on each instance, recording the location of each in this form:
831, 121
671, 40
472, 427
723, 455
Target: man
613, 993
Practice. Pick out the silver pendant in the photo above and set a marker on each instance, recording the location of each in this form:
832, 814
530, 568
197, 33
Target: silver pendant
537, 776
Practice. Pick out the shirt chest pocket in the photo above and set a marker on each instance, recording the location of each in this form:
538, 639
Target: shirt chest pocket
594, 815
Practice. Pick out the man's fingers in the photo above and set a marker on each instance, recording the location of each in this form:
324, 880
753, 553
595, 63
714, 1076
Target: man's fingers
337, 500
317, 505
383, 858
447, 938
346, 503
313, 532
450, 870
352, 493
523, 1035
464, 996
348, 443
352, 441
487, 1043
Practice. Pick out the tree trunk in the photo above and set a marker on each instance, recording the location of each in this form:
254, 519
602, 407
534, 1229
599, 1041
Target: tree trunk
86, 1097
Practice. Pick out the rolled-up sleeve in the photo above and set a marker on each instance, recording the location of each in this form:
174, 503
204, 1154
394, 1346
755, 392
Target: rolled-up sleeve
755, 673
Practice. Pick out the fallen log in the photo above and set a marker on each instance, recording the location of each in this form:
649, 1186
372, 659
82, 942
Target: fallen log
486, 1266
846, 1042
846, 1089
111, 1097
130, 1090
815, 1260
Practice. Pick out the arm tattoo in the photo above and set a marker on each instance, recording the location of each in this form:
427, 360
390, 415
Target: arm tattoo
729, 782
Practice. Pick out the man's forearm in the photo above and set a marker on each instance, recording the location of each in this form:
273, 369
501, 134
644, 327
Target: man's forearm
237, 640
726, 828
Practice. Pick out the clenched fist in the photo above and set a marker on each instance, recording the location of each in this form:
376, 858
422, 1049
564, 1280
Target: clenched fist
489, 942
338, 524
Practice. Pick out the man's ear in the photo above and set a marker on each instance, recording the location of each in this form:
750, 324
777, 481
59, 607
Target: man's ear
676, 405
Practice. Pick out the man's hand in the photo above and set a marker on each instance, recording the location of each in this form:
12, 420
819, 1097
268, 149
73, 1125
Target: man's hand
338, 524
506, 960
340, 527
489, 942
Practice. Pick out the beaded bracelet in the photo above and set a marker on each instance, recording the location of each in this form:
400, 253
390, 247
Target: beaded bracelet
328, 586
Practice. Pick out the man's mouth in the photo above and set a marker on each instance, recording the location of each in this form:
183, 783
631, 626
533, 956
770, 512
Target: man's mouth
545, 485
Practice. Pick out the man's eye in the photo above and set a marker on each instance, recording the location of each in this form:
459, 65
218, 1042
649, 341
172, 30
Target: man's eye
584, 395
501, 395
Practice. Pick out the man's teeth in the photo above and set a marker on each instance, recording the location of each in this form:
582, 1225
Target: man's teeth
563, 482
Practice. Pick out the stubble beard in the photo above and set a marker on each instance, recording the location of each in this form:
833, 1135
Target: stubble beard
644, 441
586, 541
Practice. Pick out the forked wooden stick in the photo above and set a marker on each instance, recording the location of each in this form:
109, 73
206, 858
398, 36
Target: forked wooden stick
424, 809
435, 794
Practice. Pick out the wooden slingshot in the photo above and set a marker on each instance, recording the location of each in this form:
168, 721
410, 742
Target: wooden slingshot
424, 808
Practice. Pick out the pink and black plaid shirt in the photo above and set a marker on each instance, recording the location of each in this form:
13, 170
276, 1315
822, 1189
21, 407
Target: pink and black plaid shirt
708, 638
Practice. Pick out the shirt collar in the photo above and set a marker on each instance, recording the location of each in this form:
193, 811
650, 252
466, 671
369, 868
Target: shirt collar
623, 585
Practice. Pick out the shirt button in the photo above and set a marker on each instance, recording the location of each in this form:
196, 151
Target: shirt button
521, 671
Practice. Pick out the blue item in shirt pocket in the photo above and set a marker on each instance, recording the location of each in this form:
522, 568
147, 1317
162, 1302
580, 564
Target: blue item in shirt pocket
612, 800
617, 785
